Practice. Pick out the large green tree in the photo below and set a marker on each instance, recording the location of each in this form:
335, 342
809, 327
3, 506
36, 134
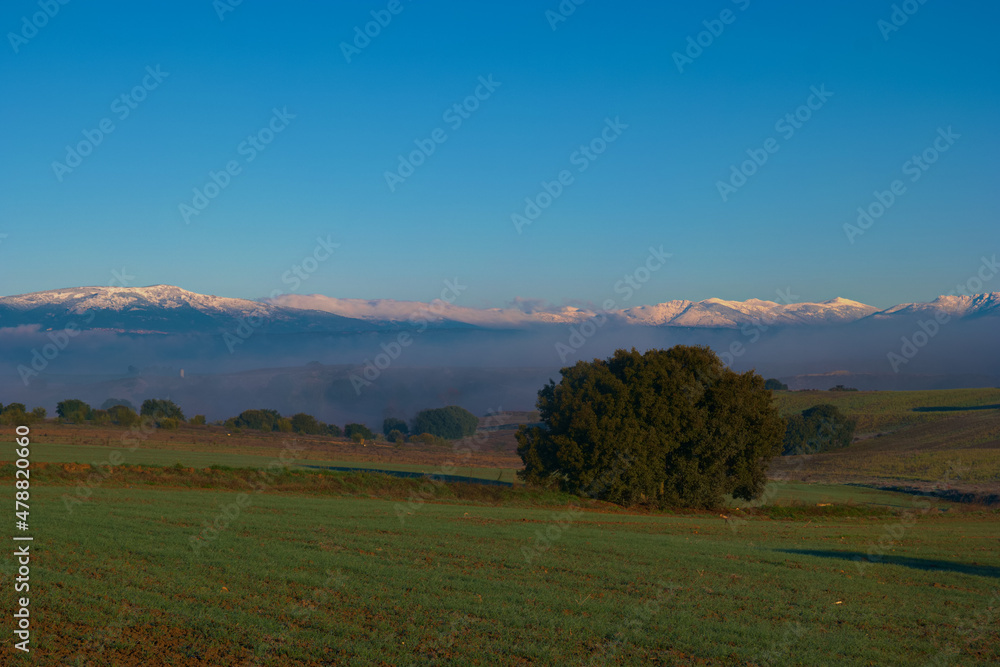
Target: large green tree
668, 427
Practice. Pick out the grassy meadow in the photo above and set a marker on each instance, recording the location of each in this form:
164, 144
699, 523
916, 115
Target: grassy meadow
184, 556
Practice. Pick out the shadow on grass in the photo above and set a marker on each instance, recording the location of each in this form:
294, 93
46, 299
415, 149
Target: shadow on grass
952, 408
916, 563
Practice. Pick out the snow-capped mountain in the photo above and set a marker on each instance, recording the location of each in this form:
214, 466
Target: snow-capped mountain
156, 309
711, 313
168, 309
975, 305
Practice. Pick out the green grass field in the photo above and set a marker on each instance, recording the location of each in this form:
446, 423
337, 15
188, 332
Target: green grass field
884, 411
326, 568
297, 579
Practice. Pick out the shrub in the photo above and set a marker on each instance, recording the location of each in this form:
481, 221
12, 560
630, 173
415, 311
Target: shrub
820, 428
123, 415
73, 410
198, 420
451, 422
259, 420
775, 385
112, 402
396, 436
100, 418
391, 424
168, 423
358, 429
307, 424
158, 408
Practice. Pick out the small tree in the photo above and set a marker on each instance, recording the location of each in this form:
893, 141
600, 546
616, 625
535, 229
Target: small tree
396, 436
334, 431
451, 422
198, 420
390, 424
159, 408
112, 402
307, 424
820, 428
775, 385
38, 414
73, 410
360, 430
123, 415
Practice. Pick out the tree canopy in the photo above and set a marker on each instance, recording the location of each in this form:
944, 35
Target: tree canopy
668, 427
390, 424
818, 429
451, 422
73, 410
161, 408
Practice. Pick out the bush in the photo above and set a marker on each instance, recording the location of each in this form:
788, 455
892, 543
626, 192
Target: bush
391, 424
38, 414
100, 418
158, 408
668, 427
334, 430
396, 436
259, 420
841, 387
73, 410
775, 385
198, 420
168, 423
820, 428
123, 415
451, 422
357, 438
112, 402
283, 425
307, 424
360, 430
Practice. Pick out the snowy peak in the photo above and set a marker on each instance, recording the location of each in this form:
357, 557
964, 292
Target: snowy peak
973, 305
79, 300
165, 308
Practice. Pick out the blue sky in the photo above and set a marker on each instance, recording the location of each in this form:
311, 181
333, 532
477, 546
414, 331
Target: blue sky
323, 175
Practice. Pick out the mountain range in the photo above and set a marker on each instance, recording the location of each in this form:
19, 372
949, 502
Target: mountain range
169, 309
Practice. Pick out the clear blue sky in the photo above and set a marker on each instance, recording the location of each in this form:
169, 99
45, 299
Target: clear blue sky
656, 184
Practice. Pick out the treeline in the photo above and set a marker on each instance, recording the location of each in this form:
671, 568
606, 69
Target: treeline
430, 426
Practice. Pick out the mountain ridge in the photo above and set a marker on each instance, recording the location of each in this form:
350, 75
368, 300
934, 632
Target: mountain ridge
167, 308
